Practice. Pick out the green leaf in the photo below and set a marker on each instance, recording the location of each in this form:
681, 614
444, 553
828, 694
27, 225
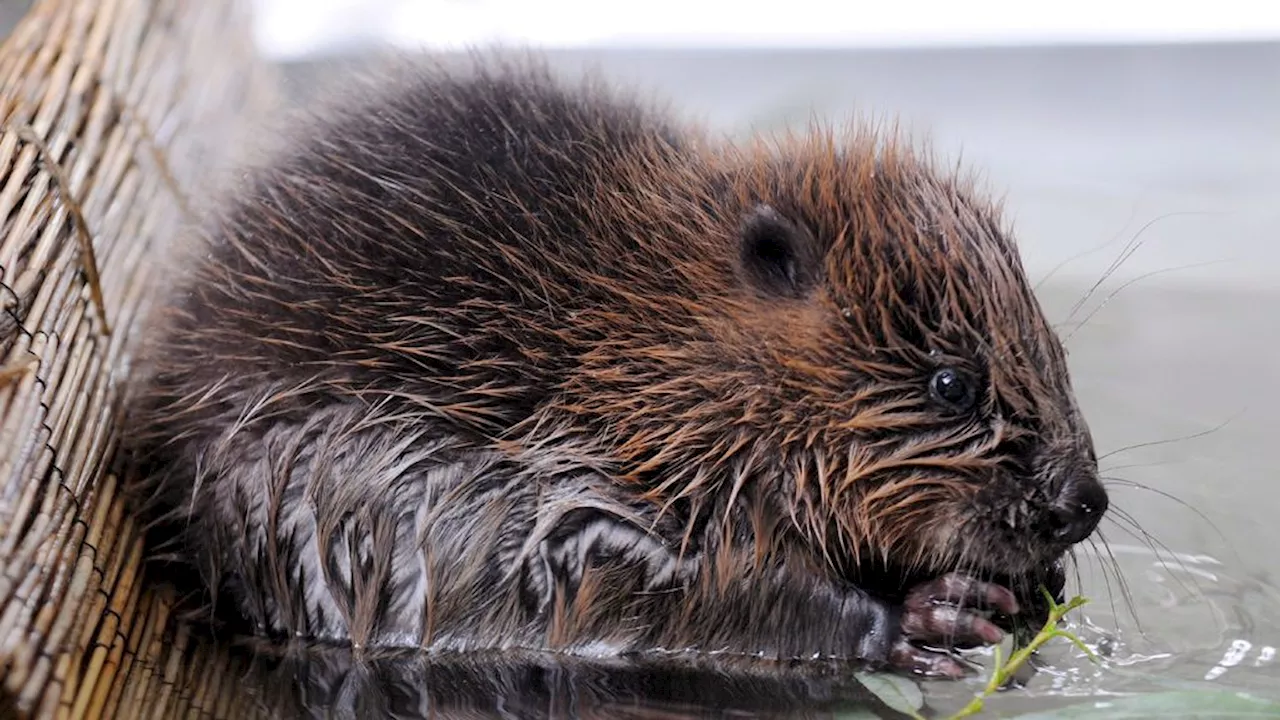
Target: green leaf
1217, 704
895, 691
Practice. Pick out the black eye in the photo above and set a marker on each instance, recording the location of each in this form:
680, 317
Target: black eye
954, 388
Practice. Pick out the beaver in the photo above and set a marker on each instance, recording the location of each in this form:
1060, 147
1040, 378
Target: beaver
489, 358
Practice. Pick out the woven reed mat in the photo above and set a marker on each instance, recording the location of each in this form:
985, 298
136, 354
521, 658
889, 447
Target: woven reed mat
111, 112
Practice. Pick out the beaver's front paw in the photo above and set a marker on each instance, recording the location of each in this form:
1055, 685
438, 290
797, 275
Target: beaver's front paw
945, 613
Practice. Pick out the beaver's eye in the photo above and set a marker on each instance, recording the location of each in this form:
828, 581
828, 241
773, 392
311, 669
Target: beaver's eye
954, 388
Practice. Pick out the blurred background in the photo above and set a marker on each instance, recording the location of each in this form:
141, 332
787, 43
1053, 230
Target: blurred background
1095, 117
1137, 145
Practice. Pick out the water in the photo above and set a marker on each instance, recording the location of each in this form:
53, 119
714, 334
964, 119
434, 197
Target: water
1173, 151
329, 684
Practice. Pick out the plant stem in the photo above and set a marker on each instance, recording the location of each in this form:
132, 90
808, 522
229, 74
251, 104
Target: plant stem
1002, 671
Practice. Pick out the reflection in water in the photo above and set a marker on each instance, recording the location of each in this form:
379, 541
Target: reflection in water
330, 683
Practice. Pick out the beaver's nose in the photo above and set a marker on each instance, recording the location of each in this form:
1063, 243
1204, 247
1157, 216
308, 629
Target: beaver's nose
1078, 509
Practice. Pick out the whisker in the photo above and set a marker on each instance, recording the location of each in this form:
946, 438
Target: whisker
1132, 466
1126, 522
1075, 566
1125, 253
1126, 591
968, 568
1133, 212
1154, 443
1106, 580
1135, 530
1171, 497
1126, 284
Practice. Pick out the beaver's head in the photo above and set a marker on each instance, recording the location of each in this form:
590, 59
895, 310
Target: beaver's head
872, 359
931, 417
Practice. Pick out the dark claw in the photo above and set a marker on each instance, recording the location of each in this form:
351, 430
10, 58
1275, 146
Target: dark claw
906, 657
1035, 611
949, 626
948, 612
965, 592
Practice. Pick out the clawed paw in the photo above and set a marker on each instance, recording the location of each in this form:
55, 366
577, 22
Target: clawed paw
946, 613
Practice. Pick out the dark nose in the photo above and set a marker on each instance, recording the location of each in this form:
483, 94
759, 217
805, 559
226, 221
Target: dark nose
1078, 509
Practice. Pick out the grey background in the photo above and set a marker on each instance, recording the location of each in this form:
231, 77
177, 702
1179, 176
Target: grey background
1086, 142
10, 12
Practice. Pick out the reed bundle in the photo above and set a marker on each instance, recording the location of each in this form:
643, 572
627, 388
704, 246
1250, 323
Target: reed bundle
111, 114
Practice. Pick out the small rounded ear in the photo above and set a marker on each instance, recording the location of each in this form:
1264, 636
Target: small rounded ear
778, 257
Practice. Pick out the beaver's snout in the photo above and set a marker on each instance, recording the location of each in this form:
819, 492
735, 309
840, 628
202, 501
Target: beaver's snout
1077, 510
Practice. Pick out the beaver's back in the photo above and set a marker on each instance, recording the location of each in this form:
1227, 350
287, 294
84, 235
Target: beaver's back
451, 206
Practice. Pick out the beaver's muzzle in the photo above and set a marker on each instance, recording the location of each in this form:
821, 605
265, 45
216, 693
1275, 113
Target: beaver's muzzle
1075, 513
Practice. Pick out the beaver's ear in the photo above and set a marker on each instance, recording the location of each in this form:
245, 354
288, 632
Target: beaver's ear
777, 256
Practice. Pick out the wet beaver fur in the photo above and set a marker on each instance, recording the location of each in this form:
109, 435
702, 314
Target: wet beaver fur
493, 360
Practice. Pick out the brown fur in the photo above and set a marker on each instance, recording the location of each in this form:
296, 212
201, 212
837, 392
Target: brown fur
549, 298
